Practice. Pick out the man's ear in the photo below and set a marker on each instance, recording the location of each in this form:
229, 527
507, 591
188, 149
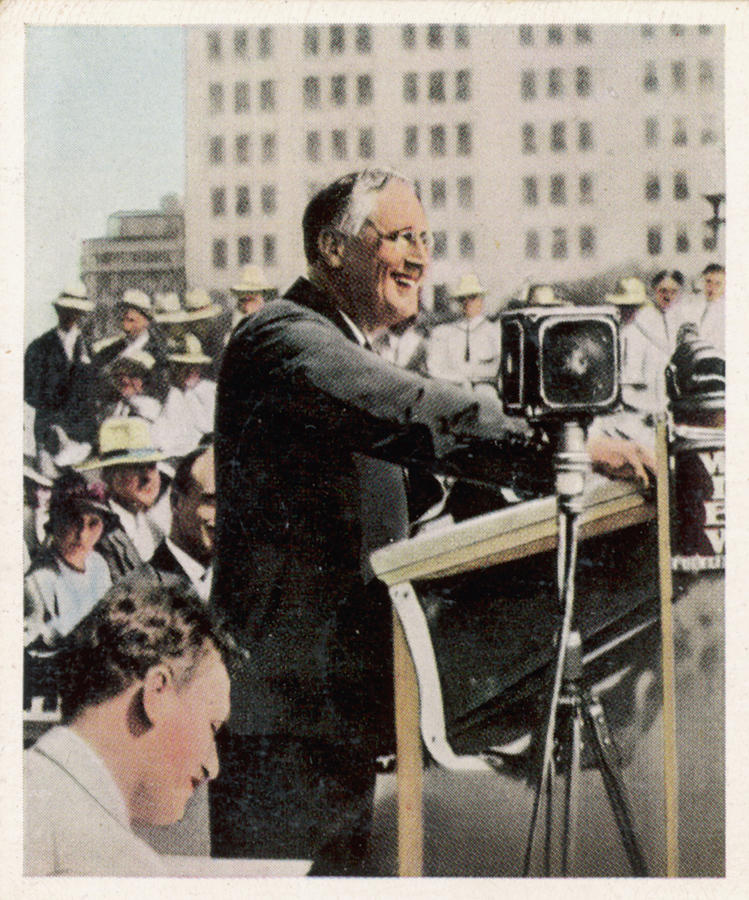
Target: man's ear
158, 692
330, 245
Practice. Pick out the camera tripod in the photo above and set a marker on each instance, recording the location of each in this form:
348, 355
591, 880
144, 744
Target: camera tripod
584, 723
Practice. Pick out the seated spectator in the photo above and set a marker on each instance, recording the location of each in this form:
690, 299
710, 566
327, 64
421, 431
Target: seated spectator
144, 690
130, 380
251, 293
188, 411
137, 493
68, 575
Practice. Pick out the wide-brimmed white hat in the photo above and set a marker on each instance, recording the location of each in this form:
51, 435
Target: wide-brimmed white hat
629, 292
74, 296
198, 305
543, 295
252, 280
167, 308
190, 352
124, 441
138, 360
137, 300
468, 286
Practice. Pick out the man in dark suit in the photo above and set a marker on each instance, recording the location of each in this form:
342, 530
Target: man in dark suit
57, 372
312, 432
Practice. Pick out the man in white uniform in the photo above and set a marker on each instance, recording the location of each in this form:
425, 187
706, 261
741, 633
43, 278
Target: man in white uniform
144, 690
466, 352
710, 316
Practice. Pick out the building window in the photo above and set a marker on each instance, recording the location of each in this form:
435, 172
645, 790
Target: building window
337, 39
410, 87
244, 250
313, 146
269, 250
585, 184
465, 192
216, 150
652, 187
338, 90
680, 132
528, 139
437, 140
651, 131
366, 143
681, 188
219, 254
215, 97
267, 95
583, 81
434, 36
242, 148
408, 36
583, 34
532, 244
411, 141
708, 135
556, 86
679, 75
218, 201
650, 78
363, 38
706, 75
439, 192
557, 190
241, 97
242, 204
240, 42
441, 298
439, 250
647, 31
462, 36
269, 147
587, 240
437, 87
364, 92
463, 85
525, 35
338, 144
654, 240
585, 136
311, 40
213, 43
265, 42
465, 244
682, 241
554, 34
311, 91
268, 198
558, 137
559, 243
528, 84
464, 139
530, 191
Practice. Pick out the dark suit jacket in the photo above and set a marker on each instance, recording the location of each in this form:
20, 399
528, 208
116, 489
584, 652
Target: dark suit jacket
163, 568
59, 389
311, 432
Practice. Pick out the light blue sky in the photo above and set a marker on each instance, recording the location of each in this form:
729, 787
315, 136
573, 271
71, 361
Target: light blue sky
104, 131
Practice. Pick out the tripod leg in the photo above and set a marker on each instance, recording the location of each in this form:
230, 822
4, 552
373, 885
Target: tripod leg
608, 765
572, 795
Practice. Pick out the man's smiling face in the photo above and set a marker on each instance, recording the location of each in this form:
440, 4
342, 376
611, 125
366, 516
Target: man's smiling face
382, 267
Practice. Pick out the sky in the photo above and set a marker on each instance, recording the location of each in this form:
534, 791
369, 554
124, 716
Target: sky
104, 131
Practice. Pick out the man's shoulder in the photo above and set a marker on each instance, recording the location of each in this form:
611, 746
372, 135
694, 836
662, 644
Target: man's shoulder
44, 342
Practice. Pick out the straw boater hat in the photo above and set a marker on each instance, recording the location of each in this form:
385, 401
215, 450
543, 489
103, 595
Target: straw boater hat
198, 305
167, 309
543, 295
137, 300
629, 292
139, 362
468, 286
252, 280
125, 441
74, 296
190, 352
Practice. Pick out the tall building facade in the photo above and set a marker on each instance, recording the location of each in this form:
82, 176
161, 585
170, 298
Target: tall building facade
548, 153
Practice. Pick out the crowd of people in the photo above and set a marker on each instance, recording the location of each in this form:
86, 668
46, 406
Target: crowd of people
249, 471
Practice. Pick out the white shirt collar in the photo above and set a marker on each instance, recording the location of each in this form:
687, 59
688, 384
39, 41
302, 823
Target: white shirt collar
68, 339
138, 344
138, 528
357, 332
199, 575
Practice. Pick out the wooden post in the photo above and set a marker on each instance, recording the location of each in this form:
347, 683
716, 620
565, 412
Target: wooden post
671, 779
409, 758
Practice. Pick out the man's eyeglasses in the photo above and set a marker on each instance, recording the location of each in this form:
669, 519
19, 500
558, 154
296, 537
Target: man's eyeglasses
406, 238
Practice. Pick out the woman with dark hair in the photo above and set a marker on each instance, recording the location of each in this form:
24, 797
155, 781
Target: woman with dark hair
68, 576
